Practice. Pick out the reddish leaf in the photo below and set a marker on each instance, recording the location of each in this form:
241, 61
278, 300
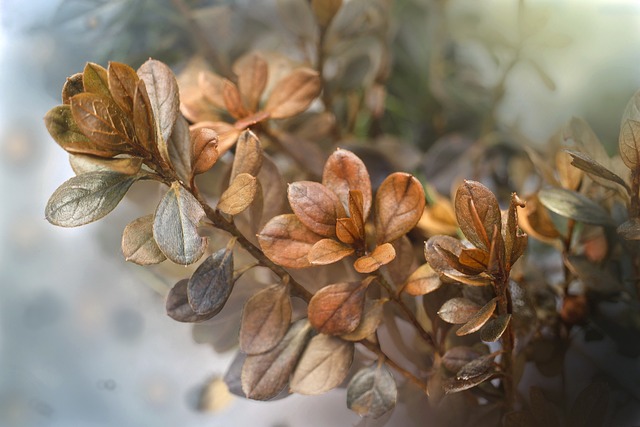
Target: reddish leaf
422, 281
286, 241
347, 231
315, 206
328, 251
122, 85
337, 309
380, 256
293, 94
477, 212
344, 172
143, 120
205, 149
399, 205
371, 318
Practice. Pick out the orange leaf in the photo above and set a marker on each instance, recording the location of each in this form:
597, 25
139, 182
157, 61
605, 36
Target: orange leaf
252, 73
347, 231
328, 251
344, 171
399, 205
315, 206
293, 94
286, 241
337, 309
380, 256
205, 149
422, 281
233, 101
478, 212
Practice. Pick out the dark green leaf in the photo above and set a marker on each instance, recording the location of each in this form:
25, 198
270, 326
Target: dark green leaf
138, 244
574, 205
87, 198
212, 282
372, 392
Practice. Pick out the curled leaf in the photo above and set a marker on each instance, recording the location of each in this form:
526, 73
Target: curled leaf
82, 164
178, 308
72, 86
205, 149
478, 212
371, 318
122, 81
345, 172
162, 88
248, 158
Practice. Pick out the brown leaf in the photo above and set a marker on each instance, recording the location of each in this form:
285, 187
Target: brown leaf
496, 266
434, 254
274, 190
476, 321
178, 308
356, 211
476, 367
293, 94
286, 241
594, 169
212, 85
211, 284
630, 229
337, 309
325, 10
457, 357
265, 375
227, 134
72, 86
511, 234
65, 131
455, 263
100, 119
477, 212
481, 279
180, 150
458, 310
380, 256
570, 177
265, 319
454, 385
536, 221
143, 120
404, 263
422, 281
399, 204
95, 80
205, 149
138, 244
494, 328
162, 89
344, 172
252, 73
371, 318
323, 366
248, 157
328, 251
590, 407
474, 259
315, 206
629, 143
232, 100
81, 163
122, 85
347, 231
574, 205
239, 195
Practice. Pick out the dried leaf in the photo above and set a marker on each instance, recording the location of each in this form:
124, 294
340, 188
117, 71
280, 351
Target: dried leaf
630, 229
95, 80
248, 158
478, 319
144, 121
457, 357
205, 149
455, 263
265, 319
239, 195
138, 245
399, 204
344, 172
293, 94
232, 100
232, 378
211, 85
590, 407
325, 10
337, 309
545, 411
458, 310
178, 307
434, 254
315, 206
87, 198
100, 119
252, 73
513, 238
180, 150
211, 284
454, 385
82, 164
371, 318
476, 367
494, 328
380, 256
372, 392
162, 89
328, 251
574, 205
265, 375
536, 221
422, 281
286, 241
72, 86
570, 177
227, 134
629, 143
175, 226
122, 81
478, 212
323, 366
594, 169
347, 231
356, 211
474, 259
274, 190
481, 279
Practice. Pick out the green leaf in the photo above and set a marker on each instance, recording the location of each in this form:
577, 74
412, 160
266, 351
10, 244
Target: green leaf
175, 226
372, 392
211, 284
574, 205
87, 198
138, 244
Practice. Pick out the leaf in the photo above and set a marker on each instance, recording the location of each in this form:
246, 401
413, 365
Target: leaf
178, 307
494, 328
72, 86
144, 121
232, 100
248, 157
457, 357
232, 378
422, 281
239, 195
570, 177
138, 245
211, 284
629, 140
545, 411
286, 241
87, 198
458, 310
372, 392
323, 366
100, 119
265, 319
590, 407
537, 222
293, 94
328, 251
454, 261
347, 231
436, 257
371, 318
574, 205
344, 172
478, 319
399, 204
478, 212
95, 80
82, 164
356, 211
315, 206
380, 256
325, 10
515, 242
162, 88
175, 226
123, 81
587, 164
478, 280
476, 367
253, 73
454, 385
211, 86
630, 229
337, 309
65, 131
265, 375
474, 259
205, 149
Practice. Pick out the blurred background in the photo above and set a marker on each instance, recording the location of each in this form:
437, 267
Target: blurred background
84, 338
